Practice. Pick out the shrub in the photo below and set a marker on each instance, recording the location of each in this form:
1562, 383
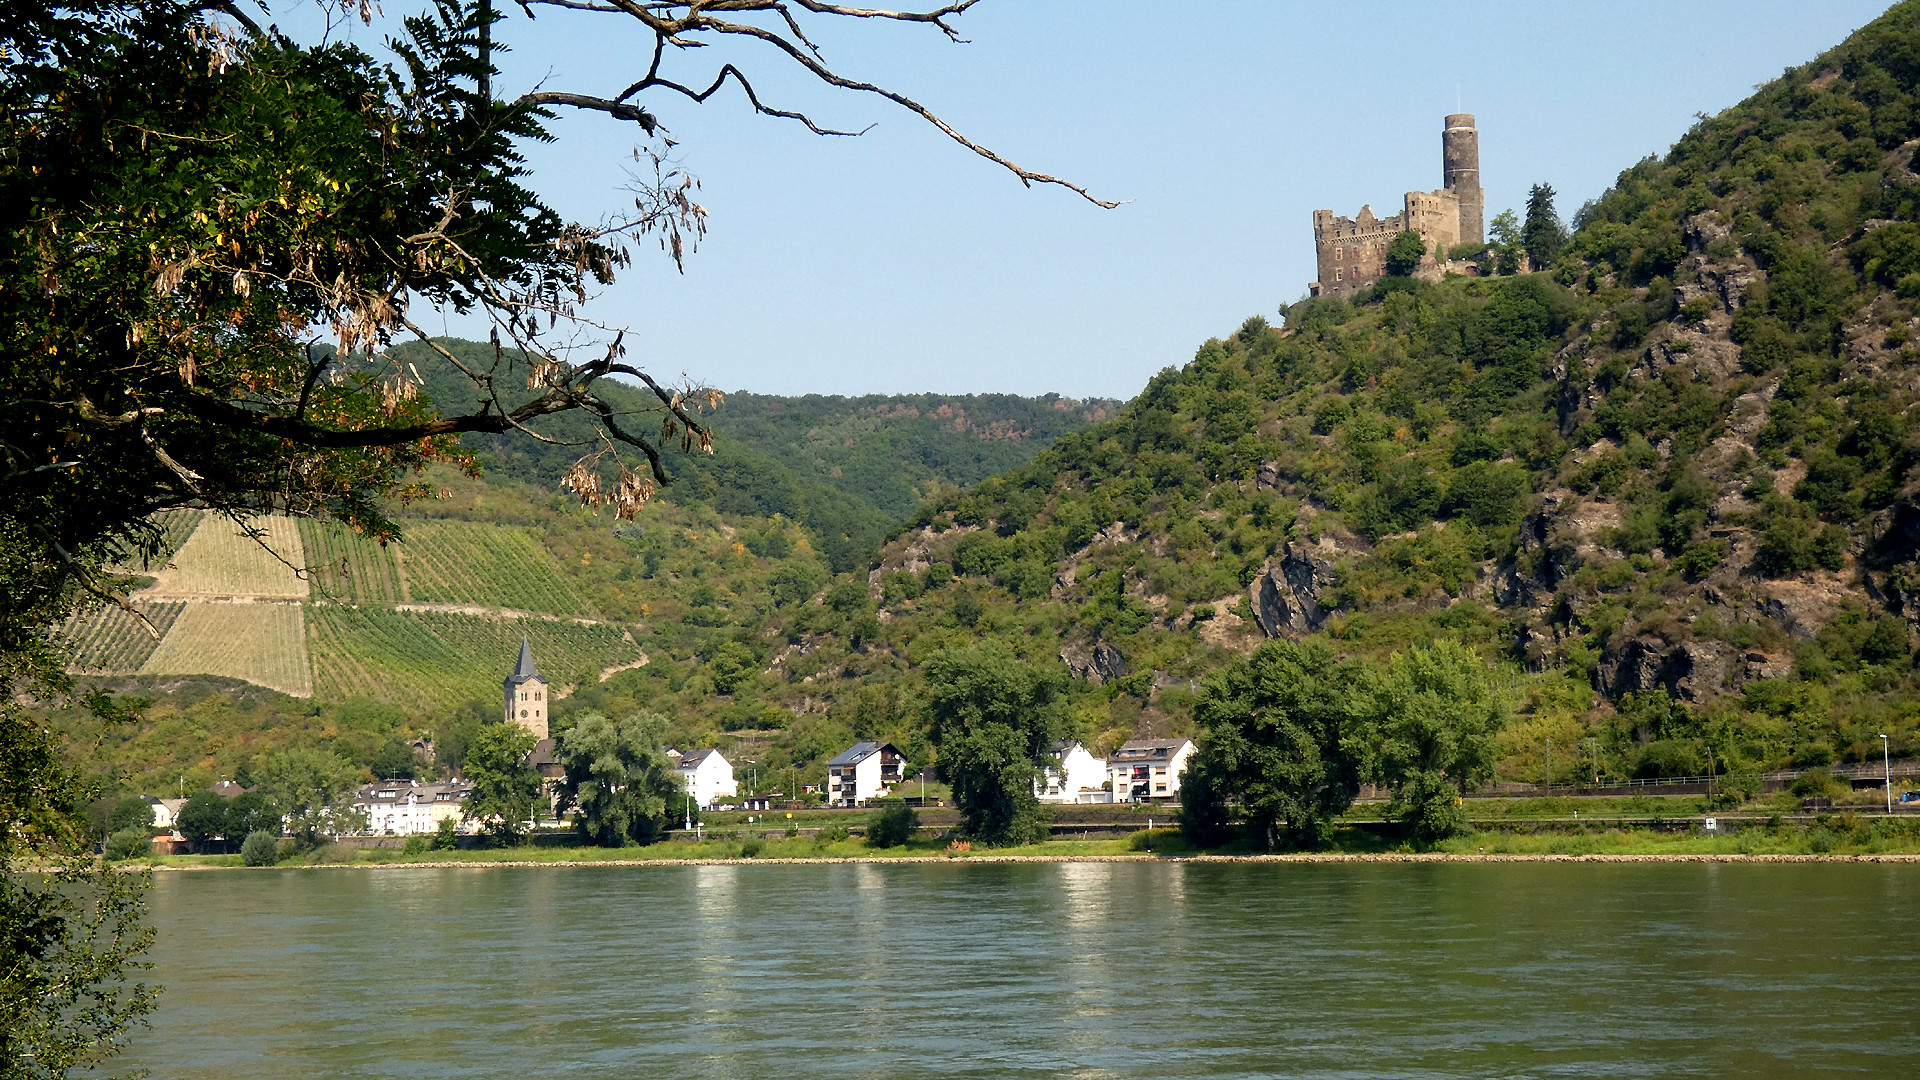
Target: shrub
415, 845
444, 836
892, 825
751, 847
831, 834
260, 848
1152, 839
129, 843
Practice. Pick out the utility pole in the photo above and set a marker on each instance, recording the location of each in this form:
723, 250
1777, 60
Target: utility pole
1549, 785
1886, 763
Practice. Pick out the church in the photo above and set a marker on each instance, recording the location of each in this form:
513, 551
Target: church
526, 691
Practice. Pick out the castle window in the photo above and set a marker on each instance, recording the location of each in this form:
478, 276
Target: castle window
1339, 253
1336, 273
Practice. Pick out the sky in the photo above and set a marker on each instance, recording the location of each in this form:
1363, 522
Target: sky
899, 262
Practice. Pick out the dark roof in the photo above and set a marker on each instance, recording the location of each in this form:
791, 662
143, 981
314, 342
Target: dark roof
692, 759
542, 753
227, 789
524, 671
1149, 750
861, 751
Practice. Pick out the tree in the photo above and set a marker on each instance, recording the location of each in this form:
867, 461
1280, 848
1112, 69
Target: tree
310, 787
132, 812
1284, 740
1404, 254
1543, 237
505, 786
619, 781
1436, 712
249, 812
203, 819
395, 761
994, 719
1505, 243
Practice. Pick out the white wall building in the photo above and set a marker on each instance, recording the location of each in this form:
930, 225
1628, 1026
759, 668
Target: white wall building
863, 772
1148, 770
165, 811
409, 807
707, 775
1081, 777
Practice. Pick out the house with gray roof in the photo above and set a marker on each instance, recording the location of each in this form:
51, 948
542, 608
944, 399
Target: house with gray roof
863, 772
1148, 770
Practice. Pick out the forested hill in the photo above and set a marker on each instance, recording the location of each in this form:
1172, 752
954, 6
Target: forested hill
847, 469
1669, 477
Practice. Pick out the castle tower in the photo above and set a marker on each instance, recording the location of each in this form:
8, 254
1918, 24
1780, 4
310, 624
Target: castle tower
1460, 156
526, 691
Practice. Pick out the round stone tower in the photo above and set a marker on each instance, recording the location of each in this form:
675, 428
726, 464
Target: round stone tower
1460, 156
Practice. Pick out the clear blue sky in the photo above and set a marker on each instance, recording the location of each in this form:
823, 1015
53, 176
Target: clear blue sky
900, 262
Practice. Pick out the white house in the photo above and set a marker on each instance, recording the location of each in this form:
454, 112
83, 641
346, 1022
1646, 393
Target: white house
863, 772
1081, 777
707, 775
1148, 770
409, 807
165, 811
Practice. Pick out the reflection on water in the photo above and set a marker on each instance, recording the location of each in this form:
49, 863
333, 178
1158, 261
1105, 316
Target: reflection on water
1002, 970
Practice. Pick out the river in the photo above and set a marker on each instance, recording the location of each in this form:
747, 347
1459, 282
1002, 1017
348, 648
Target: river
1058, 969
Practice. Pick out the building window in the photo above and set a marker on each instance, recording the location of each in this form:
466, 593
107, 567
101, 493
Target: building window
1336, 273
1339, 253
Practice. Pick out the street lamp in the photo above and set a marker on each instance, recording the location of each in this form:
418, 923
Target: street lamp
1886, 763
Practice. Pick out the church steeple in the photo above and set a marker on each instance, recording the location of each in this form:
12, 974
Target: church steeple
526, 693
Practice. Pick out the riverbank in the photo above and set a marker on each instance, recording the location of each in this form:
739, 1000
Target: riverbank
1840, 840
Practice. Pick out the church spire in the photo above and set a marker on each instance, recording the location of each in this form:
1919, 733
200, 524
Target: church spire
526, 669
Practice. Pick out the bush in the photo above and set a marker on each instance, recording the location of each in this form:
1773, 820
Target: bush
892, 825
751, 847
1152, 839
445, 837
260, 848
831, 834
415, 845
130, 843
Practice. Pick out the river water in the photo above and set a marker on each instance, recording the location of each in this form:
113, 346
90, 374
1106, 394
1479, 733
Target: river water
1062, 969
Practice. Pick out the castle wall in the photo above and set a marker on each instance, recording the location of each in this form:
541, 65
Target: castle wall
1350, 254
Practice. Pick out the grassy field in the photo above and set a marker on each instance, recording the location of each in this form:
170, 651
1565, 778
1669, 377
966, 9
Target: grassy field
220, 560
434, 659
113, 642
265, 644
346, 566
463, 562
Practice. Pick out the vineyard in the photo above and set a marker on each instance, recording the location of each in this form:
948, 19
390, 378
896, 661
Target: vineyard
265, 644
343, 565
220, 560
112, 641
463, 562
429, 660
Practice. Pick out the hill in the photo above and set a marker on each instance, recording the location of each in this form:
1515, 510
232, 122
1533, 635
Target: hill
1665, 483
846, 469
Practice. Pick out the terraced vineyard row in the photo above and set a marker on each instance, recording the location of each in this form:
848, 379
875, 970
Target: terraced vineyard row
220, 560
433, 660
265, 644
343, 565
114, 642
462, 562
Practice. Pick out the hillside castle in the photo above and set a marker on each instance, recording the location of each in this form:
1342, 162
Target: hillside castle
1351, 253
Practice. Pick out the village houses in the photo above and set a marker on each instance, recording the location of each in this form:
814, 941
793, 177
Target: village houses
409, 807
